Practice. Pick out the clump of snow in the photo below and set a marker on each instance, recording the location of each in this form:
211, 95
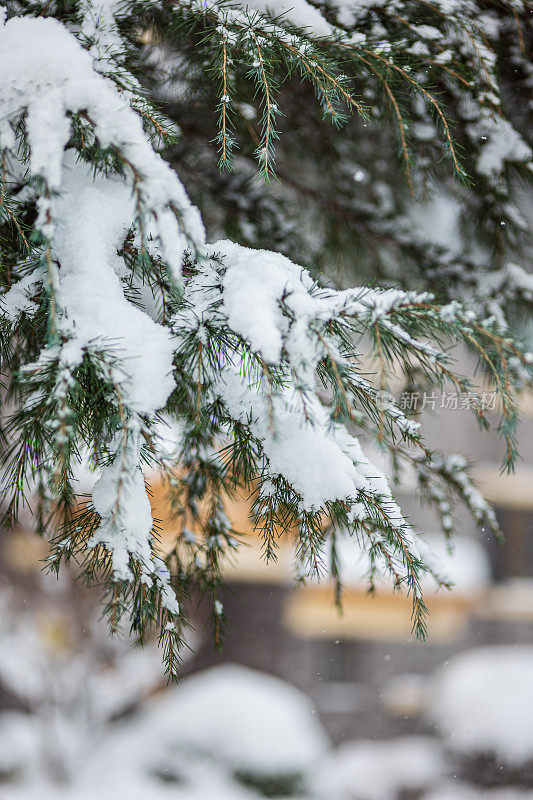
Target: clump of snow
17, 299
256, 283
253, 287
380, 770
93, 216
299, 12
119, 497
307, 457
503, 145
242, 718
482, 703
47, 73
321, 461
249, 291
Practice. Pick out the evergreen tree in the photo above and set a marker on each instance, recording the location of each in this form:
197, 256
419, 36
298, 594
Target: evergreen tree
123, 326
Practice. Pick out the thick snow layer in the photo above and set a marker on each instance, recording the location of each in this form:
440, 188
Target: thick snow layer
254, 284
299, 12
465, 565
503, 145
245, 719
46, 71
482, 702
379, 770
93, 216
305, 454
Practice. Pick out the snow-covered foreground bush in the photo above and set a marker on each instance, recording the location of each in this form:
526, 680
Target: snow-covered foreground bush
226, 734
67, 681
235, 714
119, 317
380, 770
482, 704
256, 727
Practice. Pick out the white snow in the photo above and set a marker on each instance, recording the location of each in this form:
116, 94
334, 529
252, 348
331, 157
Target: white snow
46, 71
253, 286
321, 461
242, 718
92, 217
119, 497
16, 299
482, 703
303, 453
299, 12
503, 145
379, 770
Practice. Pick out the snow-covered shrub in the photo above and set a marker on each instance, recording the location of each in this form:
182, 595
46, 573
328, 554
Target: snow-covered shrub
67, 681
263, 731
379, 770
481, 703
228, 732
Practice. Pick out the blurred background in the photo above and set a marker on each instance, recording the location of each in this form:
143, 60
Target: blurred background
303, 701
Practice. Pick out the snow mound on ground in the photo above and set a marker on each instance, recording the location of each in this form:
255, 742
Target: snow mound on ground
379, 770
482, 702
208, 786
463, 791
18, 741
243, 718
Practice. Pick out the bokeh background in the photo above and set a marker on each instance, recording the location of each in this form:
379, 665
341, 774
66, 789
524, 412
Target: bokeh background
302, 702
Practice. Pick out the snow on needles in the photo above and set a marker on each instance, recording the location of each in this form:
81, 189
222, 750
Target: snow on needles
46, 72
48, 76
278, 320
276, 307
306, 455
503, 145
92, 219
257, 283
